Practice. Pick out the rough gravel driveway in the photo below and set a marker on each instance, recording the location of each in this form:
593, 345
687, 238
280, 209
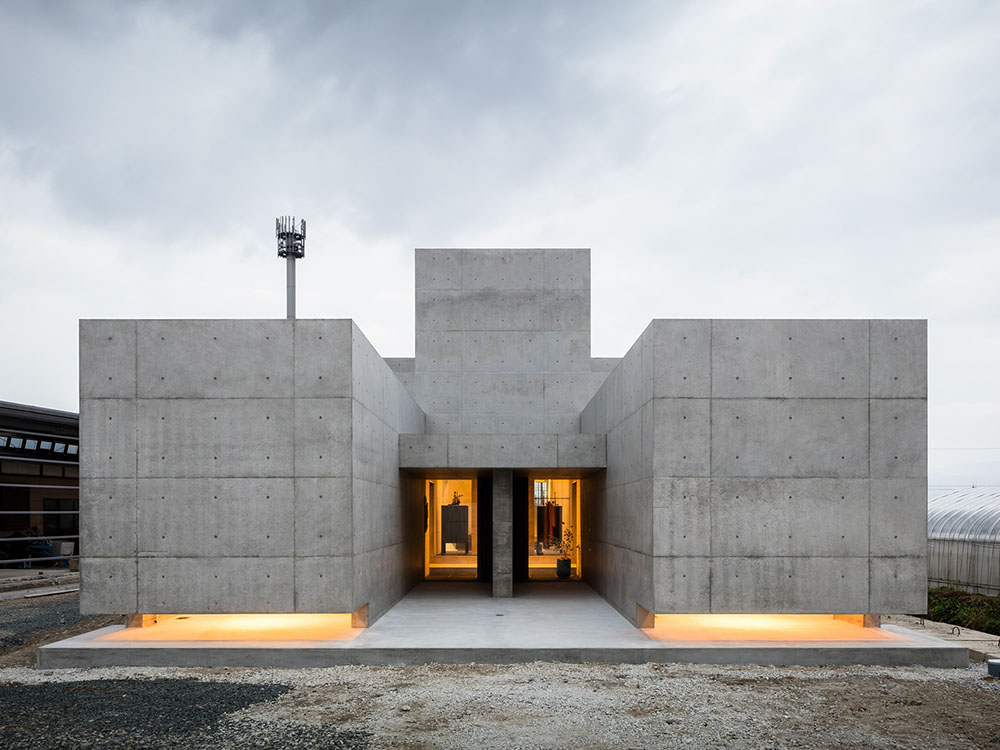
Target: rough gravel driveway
538, 705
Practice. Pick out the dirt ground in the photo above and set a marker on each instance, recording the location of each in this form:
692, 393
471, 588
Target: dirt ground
540, 705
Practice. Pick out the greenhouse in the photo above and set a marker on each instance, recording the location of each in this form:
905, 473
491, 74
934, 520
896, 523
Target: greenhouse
963, 532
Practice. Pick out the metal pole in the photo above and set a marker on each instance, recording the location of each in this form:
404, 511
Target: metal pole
290, 286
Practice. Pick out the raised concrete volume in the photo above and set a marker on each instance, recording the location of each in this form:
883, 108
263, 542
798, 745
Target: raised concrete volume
726, 466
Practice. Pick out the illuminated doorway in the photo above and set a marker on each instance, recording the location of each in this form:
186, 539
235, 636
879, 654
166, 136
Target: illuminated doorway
451, 529
553, 529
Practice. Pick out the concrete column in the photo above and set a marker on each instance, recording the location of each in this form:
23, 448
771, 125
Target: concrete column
503, 523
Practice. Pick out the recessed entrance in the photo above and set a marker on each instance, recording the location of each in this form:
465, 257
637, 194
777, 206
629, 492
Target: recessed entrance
552, 528
451, 529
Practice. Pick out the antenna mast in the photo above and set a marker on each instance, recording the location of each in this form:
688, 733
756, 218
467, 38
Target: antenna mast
291, 247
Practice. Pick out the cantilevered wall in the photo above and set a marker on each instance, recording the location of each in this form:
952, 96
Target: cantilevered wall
242, 466
764, 466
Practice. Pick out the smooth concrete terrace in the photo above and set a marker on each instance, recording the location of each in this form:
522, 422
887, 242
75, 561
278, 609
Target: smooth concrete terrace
462, 623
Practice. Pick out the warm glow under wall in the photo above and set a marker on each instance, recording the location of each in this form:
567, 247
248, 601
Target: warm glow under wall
255, 627
739, 627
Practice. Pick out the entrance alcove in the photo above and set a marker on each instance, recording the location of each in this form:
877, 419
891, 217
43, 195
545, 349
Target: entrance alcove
451, 529
553, 527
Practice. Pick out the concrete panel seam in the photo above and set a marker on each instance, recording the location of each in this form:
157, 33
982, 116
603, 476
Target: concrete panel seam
869, 450
711, 390
136, 468
295, 402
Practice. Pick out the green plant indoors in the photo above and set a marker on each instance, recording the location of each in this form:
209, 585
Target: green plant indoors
567, 545
973, 611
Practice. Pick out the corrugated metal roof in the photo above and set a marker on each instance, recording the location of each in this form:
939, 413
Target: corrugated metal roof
971, 514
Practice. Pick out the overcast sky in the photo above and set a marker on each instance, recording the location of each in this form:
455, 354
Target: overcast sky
749, 158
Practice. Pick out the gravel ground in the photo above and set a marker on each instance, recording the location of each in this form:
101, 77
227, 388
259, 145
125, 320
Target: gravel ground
14, 580
22, 619
539, 705
156, 713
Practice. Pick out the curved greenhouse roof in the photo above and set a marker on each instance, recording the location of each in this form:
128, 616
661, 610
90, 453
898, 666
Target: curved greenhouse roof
968, 515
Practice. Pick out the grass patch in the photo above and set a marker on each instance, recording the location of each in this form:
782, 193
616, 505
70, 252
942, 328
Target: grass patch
973, 611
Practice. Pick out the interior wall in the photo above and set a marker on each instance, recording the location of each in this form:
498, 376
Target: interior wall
444, 494
561, 493
619, 560
388, 512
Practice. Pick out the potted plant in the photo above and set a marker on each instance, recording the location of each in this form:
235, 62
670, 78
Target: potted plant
564, 563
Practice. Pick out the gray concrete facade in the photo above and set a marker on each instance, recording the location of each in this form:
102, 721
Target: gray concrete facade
502, 341
726, 465
243, 466
764, 466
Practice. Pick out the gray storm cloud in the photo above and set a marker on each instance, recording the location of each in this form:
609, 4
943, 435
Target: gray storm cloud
732, 159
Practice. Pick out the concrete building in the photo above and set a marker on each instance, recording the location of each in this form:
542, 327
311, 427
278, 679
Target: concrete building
38, 486
720, 466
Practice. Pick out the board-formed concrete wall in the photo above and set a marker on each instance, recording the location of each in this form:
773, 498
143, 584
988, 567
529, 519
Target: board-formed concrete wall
236, 466
502, 341
787, 468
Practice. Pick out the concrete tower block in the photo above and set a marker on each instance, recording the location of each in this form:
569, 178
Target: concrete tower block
503, 269
492, 319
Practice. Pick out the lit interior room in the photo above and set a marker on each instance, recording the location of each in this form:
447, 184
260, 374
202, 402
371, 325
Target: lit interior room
553, 530
451, 544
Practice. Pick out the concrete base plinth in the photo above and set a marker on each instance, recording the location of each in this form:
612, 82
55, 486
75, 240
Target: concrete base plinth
461, 623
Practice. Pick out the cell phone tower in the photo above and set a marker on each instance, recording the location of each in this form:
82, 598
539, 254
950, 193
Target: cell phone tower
291, 247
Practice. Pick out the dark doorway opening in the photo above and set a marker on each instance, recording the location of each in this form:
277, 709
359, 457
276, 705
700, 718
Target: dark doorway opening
484, 527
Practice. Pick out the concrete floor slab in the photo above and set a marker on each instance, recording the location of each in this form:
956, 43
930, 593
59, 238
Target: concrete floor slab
459, 622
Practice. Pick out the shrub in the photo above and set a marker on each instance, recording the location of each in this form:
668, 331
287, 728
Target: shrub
967, 610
